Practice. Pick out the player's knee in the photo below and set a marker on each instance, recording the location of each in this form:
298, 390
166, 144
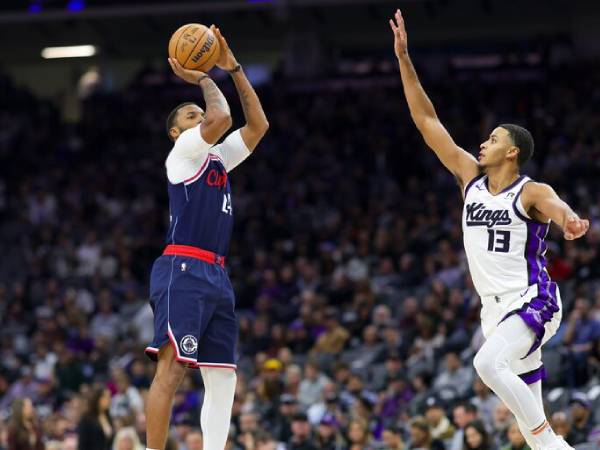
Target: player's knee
170, 377
223, 379
484, 365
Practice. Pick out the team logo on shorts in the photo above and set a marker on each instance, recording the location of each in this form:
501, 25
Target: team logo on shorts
189, 344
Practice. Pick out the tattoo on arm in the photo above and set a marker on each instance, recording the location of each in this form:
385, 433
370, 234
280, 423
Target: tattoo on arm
251, 106
213, 96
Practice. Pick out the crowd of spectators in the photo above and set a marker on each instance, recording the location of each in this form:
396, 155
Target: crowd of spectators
358, 319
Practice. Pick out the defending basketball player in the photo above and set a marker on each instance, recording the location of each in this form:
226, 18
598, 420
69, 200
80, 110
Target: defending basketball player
506, 217
190, 292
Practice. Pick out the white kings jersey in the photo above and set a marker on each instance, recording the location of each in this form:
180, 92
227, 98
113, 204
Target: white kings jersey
505, 247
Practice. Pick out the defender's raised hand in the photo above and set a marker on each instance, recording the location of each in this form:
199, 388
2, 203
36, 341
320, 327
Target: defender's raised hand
189, 75
575, 227
400, 39
226, 60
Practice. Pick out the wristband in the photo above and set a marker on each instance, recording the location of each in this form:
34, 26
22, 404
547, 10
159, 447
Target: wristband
202, 77
235, 69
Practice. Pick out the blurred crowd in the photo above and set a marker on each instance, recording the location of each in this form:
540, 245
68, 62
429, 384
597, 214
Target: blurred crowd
358, 319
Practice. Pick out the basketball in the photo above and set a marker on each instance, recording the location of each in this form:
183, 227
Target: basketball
195, 47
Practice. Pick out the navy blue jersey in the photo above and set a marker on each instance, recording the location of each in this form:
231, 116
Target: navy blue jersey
200, 207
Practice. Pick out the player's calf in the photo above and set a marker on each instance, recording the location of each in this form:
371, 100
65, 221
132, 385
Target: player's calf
169, 374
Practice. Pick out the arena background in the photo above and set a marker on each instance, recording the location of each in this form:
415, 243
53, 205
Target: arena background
357, 314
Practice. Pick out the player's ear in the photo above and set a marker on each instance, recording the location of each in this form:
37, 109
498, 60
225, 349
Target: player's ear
174, 132
513, 152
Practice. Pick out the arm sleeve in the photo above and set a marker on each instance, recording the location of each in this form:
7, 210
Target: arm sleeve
187, 156
232, 150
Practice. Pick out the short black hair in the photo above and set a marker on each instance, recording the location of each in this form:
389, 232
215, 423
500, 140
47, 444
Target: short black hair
468, 406
173, 114
522, 139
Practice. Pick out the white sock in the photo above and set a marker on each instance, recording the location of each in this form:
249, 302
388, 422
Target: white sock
215, 417
536, 390
526, 432
511, 340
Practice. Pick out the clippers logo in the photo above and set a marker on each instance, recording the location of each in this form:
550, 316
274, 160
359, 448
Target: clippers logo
216, 178
479, 216
189, 344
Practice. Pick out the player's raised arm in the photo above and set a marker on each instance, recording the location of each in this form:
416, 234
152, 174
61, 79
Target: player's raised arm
542, 203
256, 122
462, 164
217, 119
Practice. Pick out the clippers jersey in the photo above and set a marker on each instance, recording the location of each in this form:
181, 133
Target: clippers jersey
200, 208
505, 247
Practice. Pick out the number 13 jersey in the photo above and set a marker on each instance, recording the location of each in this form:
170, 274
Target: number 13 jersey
505, 247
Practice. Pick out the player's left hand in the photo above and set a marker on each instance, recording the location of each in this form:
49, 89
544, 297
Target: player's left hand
575, 227
226, 60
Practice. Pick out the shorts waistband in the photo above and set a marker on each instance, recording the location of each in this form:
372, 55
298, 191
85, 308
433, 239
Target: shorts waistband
529, 291
195, 252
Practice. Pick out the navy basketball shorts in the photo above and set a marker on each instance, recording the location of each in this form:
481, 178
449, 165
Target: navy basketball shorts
193, 304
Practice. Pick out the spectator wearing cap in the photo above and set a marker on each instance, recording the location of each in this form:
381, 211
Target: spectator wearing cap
455, 374
516, 440
420, 436
328, 436
282, 424
270, 385
439, 424
581, 332
301, 434
333, 340
312, 385
392, 438
582, 423
463, 413
476, 436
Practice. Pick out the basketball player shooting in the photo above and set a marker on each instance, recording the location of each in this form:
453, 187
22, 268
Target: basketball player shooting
190, 292
506, 217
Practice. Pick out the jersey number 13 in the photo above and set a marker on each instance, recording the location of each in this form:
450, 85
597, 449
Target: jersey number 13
498, 241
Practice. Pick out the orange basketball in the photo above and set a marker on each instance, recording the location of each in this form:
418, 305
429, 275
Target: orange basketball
195, 47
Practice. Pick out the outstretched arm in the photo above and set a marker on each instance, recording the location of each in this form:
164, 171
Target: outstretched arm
217, 119
541, 203
256, 121
461, 163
